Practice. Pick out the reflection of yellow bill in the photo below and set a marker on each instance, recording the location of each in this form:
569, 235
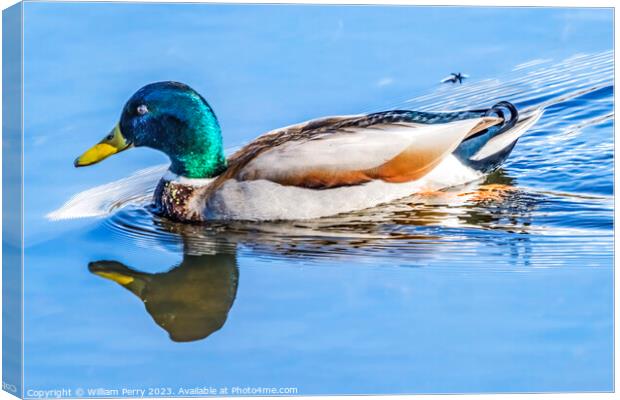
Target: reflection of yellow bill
114, 143
116, 277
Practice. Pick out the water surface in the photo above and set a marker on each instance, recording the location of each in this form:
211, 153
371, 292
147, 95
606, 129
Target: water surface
505, 284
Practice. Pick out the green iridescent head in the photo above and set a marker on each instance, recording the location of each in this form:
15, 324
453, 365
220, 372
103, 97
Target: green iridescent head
170, 117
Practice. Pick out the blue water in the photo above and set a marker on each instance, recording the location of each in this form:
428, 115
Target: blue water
502, 285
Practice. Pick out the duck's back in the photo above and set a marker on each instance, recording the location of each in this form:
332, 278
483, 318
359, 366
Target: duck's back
339, 164
394, 146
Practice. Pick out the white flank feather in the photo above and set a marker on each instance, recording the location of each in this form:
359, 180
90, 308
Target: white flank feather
265, 200
357, 149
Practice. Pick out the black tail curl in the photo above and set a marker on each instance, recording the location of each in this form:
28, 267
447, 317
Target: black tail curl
498, 110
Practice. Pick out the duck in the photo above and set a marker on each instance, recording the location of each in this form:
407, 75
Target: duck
313, 169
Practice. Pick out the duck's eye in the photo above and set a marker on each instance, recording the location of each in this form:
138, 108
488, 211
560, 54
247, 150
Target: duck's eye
142, 109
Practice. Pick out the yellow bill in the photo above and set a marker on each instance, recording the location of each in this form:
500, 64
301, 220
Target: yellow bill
114, 143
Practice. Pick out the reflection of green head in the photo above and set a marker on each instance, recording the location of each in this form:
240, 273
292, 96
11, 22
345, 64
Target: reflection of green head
190, 301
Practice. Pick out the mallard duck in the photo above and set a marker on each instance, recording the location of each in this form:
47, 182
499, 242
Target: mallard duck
309, 170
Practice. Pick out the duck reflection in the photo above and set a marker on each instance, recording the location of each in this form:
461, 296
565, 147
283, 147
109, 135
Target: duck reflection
190, 301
